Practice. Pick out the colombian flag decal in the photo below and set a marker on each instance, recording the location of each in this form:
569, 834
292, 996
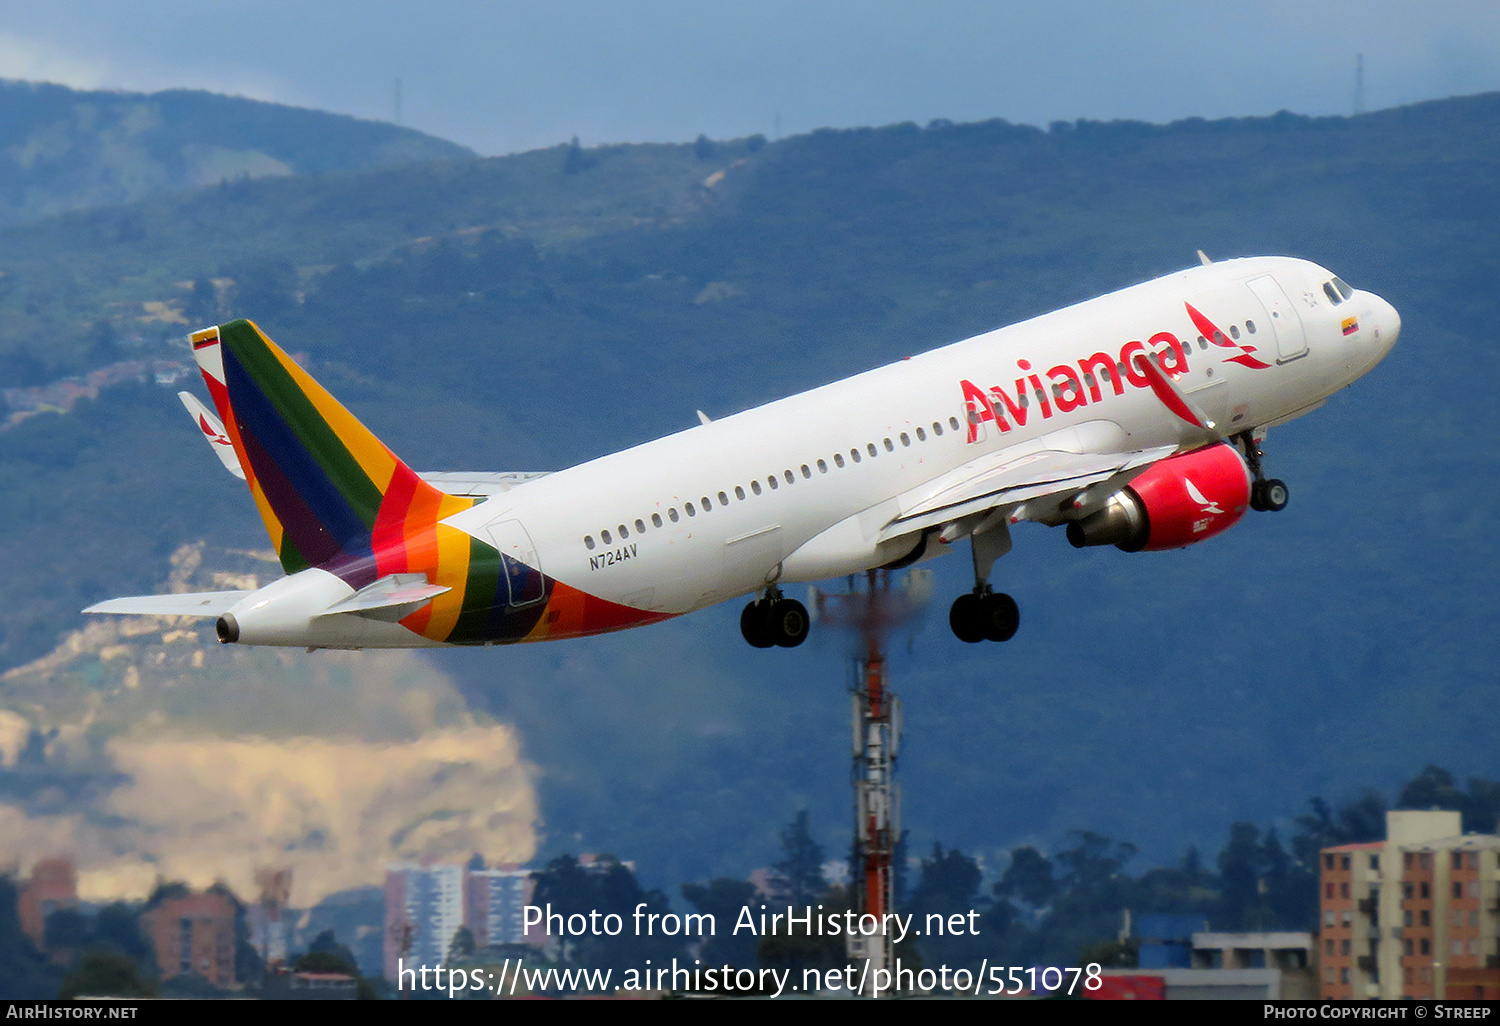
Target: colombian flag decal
1350, 326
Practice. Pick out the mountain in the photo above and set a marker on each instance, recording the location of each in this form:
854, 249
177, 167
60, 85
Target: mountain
528, 312
62, 149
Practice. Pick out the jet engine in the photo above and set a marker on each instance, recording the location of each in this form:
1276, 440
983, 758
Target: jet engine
1175, 503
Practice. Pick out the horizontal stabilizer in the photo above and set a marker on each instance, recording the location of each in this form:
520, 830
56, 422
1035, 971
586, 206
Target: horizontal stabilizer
213, 430
481, 484
198, 603
391, 598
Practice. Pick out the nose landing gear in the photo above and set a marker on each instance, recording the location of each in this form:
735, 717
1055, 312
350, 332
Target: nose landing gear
1268, 495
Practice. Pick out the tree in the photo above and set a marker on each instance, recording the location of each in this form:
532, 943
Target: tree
798, 876
725, 900
1028, 878
104, 974
462, 945
703, 147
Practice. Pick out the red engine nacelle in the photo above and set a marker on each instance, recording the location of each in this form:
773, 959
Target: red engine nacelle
1175, 503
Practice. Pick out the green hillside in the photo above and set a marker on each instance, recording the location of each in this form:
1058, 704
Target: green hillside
61, 149
531, 311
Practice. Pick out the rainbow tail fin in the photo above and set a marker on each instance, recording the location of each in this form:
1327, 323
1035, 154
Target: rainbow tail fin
330, 493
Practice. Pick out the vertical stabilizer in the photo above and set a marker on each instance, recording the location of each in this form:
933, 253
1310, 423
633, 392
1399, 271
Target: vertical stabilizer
330, 493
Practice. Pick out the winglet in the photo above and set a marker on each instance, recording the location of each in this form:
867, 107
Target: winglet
1203, 258
704, 418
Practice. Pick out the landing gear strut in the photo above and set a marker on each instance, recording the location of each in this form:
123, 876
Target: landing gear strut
1266, 494
985, 615
774, 620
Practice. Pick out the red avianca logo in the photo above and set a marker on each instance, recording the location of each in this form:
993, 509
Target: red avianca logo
1083, 383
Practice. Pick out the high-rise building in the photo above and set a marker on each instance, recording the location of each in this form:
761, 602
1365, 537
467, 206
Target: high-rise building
1414, 916
424, 908
194, 934
53, 885
495, 900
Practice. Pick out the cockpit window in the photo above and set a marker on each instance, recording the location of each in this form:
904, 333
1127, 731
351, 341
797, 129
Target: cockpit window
1344, 290
1332, 293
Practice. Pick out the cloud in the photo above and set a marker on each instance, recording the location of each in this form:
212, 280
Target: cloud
40, 62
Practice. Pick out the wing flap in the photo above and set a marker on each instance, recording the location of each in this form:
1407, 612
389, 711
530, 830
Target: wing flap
199, 603
1042, 472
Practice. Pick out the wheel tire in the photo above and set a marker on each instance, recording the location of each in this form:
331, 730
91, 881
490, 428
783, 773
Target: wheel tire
755, 625
1258, 496
1273, 495
1001, 617
789, 623
966, 617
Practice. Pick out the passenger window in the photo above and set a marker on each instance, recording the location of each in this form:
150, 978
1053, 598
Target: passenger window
906, 439
604, 535
690, 510
1250, 327
706, 504
723, 499
1202, 342
922, 435
1234, 332
854, 455
953, 422
588, 542
822, 467
890, 446
790, 477
624, 532
806, 473
640, 527
772, 482
672, 514
937, 428
755, 487
838, 460
656, 520
871, 447
739, 493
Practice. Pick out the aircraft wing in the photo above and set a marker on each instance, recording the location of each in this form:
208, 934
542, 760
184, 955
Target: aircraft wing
199, 603
1011, 478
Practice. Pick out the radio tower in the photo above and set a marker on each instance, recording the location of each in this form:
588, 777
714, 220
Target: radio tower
1359, 83
874, 611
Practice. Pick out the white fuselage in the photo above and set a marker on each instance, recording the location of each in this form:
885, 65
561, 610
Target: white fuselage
825, 511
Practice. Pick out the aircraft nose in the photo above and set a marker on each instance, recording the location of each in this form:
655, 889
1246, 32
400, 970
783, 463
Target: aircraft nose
1387, 323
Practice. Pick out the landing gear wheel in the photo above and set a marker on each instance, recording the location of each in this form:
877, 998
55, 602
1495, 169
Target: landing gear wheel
966, 617
789, 622
1273, 495
1000, 616
755, 624
1269, 495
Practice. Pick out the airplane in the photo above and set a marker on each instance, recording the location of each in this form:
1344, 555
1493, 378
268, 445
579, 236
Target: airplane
1134, 419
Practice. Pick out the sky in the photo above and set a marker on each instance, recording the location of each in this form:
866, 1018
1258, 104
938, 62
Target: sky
503, 77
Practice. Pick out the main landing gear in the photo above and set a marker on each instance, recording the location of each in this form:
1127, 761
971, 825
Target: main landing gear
985, 615
1266, 494
774, 620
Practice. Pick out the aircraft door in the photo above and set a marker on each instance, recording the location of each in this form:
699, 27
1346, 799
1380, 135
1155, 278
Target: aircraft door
519, 564
1291, 340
